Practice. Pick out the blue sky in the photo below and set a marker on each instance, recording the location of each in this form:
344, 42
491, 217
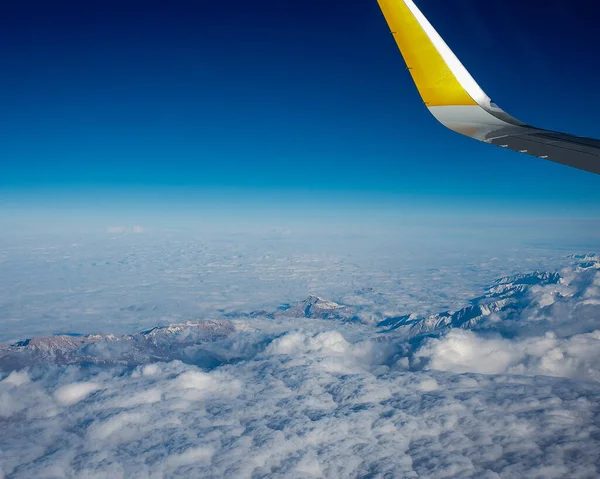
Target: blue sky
130, 104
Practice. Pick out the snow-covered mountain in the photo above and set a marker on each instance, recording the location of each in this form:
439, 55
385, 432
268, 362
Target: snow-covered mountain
505, 295
163, 342
197, 342
312, 307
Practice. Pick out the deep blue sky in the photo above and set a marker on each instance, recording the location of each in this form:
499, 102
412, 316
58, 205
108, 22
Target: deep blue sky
271, 99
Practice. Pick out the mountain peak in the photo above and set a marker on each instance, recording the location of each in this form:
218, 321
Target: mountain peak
315, 307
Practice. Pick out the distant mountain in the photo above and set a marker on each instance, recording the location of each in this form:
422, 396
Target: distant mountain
585, 257
517, 285
502, 295
312, 307
208, 343
164, 342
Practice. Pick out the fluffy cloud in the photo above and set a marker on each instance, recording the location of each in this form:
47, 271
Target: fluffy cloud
462, 351
16, 378
552, 330
288, 413
73, 393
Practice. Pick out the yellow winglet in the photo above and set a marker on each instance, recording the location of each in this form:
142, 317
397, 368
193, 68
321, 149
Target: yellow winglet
434, 78
455, 99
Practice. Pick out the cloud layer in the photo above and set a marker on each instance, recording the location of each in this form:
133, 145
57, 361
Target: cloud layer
505, 385
308, 406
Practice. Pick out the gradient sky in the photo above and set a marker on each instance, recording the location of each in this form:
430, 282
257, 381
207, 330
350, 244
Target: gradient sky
303, 102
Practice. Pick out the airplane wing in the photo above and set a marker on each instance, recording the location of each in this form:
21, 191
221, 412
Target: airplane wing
456, 100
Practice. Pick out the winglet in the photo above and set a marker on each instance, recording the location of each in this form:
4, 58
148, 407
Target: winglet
456, 100
440, 77
445, 85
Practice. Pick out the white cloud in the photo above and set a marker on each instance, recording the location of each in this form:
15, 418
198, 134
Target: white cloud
285, 416
73, 393
149, 396
16, 378
118, 428
193, 455
462, 351
150, 369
